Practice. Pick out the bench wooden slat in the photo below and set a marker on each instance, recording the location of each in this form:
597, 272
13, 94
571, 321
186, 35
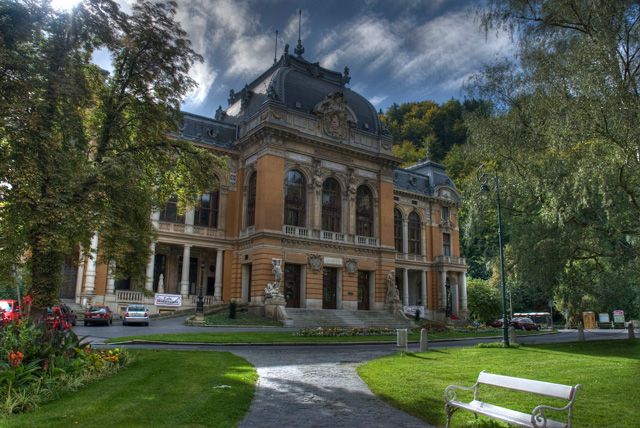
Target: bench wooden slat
527, 385
512, 417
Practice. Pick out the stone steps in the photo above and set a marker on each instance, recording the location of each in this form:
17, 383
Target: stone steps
312, 318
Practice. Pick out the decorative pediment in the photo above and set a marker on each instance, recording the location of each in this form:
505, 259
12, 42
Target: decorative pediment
335, 115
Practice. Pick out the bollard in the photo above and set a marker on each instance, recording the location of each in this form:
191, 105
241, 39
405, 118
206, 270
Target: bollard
632, 334
424, 340
512, 336
580, 332
402, 338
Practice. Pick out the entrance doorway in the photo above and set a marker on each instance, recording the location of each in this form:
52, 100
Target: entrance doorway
292, 285
329, 288
363, 290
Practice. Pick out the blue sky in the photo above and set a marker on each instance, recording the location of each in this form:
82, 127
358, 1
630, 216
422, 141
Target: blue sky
397, 50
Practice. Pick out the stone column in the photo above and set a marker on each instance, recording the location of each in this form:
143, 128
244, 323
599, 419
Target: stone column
463, 293
188, 221
405, 287
155, 218
217, 293
405, 236
423, 241
455, 296
443, 291
111, 282
184, 281
423, 290
80, 276
148, 283
90, 280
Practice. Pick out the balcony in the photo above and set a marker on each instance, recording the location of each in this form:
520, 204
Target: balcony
451, 260
325, 235
181, 228
410, 257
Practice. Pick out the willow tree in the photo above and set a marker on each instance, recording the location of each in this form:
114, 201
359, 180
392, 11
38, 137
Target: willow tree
84, 150
564, 139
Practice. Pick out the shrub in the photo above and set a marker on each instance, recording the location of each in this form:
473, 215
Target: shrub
233, 306
343, 332
37, 363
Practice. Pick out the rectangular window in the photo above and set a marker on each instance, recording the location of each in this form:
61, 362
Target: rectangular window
170, 212
445, 213
446, 244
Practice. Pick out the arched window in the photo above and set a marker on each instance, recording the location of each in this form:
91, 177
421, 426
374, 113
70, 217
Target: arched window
206, 214
251, 200
294, 198
415, 242
397, 229
331, 198
364, 211
170, 212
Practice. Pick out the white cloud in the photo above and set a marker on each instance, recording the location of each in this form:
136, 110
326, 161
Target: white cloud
250, 55
377, 99
205, 77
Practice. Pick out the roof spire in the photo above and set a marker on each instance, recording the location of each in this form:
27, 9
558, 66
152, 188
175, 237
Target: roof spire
299, 50
275, 50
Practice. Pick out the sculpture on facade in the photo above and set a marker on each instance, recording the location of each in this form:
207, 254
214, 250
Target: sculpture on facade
393, 295
272, 289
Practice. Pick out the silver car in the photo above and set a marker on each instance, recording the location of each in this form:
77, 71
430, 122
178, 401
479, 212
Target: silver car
136, 314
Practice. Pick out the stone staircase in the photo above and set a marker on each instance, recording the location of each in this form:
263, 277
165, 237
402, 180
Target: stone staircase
311, 318
75, 307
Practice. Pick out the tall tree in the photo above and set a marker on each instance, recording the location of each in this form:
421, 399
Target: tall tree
83, 150
563, 137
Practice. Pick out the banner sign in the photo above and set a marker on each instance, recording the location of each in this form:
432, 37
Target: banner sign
173, 300
603, 317
618, 316
411, 310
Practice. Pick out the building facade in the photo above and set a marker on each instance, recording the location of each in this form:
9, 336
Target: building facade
312, 181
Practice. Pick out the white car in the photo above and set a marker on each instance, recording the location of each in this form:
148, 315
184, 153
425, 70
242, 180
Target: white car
136, 314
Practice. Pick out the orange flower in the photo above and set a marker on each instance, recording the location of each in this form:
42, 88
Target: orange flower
15, 358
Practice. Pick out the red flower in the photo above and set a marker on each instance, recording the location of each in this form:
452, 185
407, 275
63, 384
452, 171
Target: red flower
15, 358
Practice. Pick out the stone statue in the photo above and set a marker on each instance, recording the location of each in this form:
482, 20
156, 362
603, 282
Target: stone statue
393, 296
272, 289
161, 283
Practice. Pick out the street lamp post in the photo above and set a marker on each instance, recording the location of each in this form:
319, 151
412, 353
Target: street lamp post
200, 302
485, 188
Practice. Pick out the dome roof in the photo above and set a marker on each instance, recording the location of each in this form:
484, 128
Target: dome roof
300, 85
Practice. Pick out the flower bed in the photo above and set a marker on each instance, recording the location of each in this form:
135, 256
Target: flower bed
38, 363
339, 331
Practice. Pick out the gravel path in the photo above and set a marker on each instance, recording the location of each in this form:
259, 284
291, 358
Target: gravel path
299, 387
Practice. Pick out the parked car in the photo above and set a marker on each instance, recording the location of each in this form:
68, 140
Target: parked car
98, 315
9, 310
496, 323
61, 317
136, 314
524, 324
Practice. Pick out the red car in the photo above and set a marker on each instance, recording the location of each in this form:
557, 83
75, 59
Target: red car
98, 315
9, 310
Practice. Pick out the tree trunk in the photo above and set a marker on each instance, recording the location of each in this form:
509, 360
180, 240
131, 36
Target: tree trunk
46, 275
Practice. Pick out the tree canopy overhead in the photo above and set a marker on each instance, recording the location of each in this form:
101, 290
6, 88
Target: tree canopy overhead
564, 139
83, 150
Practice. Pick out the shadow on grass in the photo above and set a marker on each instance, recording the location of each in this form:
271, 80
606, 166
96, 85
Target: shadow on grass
621, 348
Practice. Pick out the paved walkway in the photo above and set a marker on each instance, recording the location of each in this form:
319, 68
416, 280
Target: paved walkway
317, 389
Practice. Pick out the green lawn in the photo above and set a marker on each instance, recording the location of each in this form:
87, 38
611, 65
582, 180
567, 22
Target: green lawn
158, 389
241, 319
609, 372
288, 337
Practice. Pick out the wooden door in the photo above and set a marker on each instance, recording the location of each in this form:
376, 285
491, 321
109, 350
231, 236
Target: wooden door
363, 290
329, 288
292, 285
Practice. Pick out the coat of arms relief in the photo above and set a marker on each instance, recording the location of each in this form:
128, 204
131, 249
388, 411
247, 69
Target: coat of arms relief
336, 117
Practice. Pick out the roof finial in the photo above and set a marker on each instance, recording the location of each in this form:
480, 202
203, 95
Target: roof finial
275, 49
299, 50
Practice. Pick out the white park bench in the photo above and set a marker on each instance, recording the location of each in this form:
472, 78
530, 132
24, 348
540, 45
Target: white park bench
537, 418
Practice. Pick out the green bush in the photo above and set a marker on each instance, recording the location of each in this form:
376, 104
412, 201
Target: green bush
38, 363
339, 331
233, 307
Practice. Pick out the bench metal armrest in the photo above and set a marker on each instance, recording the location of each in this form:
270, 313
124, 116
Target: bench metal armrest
539, 418
450, 392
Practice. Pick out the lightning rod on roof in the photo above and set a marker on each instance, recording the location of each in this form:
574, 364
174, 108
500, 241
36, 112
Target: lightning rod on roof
299, 49
275, 50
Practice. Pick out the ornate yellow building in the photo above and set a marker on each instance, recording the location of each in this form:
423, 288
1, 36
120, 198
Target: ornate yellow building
312, 181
